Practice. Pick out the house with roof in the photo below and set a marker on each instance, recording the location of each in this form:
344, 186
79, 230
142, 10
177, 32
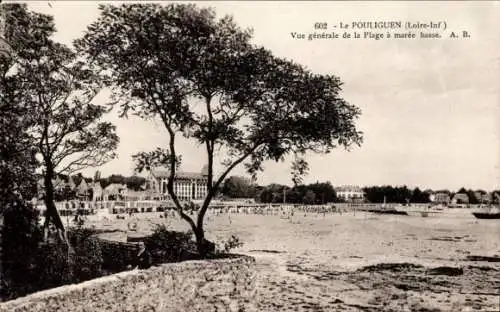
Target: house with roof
495, 197
83, 189
187, 185
483, 197
442, 198
58, 183
114, 191
71, 183
460, 198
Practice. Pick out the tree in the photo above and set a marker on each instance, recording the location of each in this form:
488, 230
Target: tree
300, 167
324, 192
58, 90
420, 197
19, 231
135, 182
309, 198
238, 187
391, 194
472, 197
205, 81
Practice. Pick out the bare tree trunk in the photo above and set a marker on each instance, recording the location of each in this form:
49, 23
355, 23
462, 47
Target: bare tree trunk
51, 213
203, 246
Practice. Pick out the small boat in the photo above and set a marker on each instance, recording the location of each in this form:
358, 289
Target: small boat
487, 215
491, 213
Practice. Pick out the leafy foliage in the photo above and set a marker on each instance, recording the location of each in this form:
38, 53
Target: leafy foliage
41, 266
205, 81
238, 187
87, 254
20, 234
169, 246
157, 158
231, 243
84, 262
315, 193
418, 196
57, 89
398, 194
299, 168
135, 183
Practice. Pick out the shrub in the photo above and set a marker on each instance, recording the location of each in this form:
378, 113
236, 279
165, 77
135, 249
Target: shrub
232, 243
52, 265
225, 247
87, 258
170, 246
56, 266
21, 236
117, 256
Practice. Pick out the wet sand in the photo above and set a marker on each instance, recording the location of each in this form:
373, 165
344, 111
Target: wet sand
365, 262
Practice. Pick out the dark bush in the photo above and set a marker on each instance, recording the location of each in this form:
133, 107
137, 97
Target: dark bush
78, 235
21, 236
52, 265
170, 246
117, 256
87, 258
56, 266
232, 243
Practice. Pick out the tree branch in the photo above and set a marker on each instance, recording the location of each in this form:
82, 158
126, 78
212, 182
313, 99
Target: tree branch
170, 183
210, 142
221, 178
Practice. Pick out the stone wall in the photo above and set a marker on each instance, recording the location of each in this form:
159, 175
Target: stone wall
210, 285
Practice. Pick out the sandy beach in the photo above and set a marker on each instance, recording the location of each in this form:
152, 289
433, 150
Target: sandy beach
364, 262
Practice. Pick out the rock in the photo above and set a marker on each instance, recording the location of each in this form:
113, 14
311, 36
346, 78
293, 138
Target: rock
483, 258
445, 270
393, 267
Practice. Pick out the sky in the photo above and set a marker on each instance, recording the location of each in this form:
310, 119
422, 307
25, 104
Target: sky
430, 107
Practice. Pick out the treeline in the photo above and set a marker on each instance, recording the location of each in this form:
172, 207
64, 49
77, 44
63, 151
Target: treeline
397, 194
317, 193
475, 197
241, 187
135, 183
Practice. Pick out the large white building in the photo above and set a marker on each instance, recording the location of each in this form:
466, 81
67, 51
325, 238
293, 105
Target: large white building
187, 185
350, 193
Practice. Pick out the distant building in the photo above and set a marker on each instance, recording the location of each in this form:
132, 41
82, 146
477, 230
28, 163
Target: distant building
495, 198
97, 192
460, 198
83, 189
58, 183
71, 183
187, 185
440, 198
114, 191
350, 193
483, 198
